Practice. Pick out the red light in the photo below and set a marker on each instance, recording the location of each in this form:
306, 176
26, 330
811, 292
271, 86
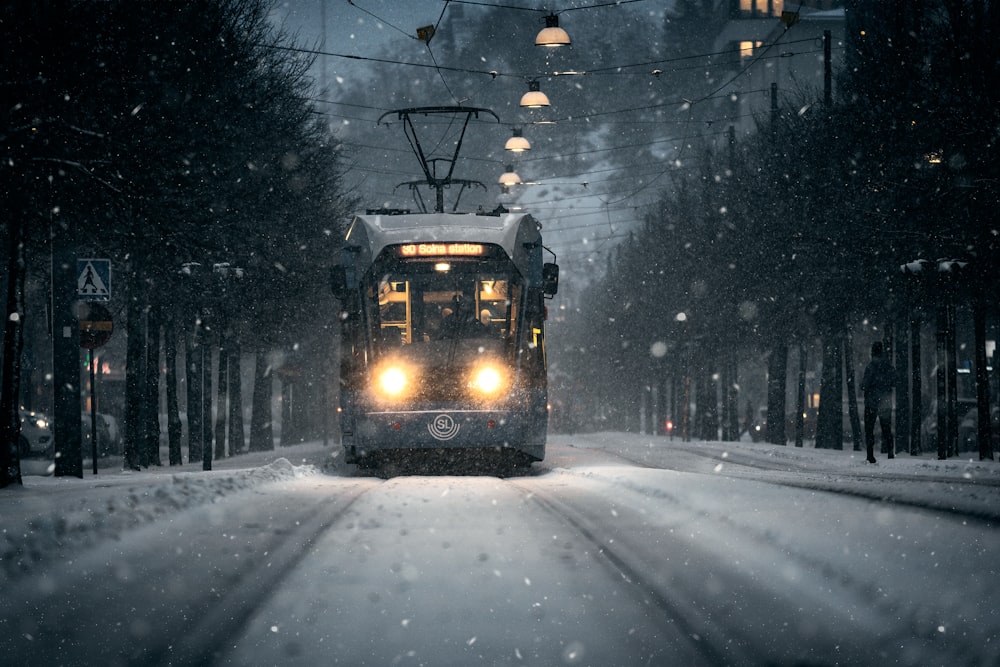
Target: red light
669, 426
396, 426
491, 424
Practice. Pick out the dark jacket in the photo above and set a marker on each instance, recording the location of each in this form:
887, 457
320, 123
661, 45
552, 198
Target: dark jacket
878, 380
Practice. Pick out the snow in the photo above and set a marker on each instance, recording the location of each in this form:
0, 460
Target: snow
889, 480
736, 539
51, 514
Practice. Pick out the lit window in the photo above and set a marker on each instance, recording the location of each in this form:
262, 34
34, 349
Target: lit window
747, 48
762, 7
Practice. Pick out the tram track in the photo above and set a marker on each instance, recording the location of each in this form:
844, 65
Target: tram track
227, 613
623, 566
715, 628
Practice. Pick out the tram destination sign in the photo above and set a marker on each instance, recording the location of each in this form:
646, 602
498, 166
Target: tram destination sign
442, 250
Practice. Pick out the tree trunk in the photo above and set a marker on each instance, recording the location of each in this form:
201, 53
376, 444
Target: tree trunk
221, 413
151, 392
13, 339
207, 430
903, 397
800, 396
261, 432
174, 427
852, 394
287, 413
708, 397
916, 385
985, 430
194, 368
236, 432
830, 419
731, 404
952, 354
135, 348
777, 368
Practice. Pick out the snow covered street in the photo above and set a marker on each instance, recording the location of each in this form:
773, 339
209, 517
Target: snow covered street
618, 549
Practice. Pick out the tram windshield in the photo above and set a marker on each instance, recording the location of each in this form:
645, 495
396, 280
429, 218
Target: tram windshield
444, 303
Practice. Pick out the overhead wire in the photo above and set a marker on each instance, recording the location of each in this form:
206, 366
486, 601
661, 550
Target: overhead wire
616, 70
494, 74
379, 18
532, 9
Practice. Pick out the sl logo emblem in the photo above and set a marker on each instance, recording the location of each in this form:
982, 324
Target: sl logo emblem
443, 427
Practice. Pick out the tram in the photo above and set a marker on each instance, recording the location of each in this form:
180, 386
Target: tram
443, 333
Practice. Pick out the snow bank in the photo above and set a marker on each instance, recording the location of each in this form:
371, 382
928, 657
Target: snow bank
56, 517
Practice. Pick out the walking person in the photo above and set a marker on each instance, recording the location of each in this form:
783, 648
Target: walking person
877, 386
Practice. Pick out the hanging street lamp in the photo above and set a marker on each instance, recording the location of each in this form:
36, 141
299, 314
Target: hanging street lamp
534, 98
509, 177
552, 36
517, 143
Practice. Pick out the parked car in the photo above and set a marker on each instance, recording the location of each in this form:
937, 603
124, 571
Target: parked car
114, 432
808, 424
968, 429
105, 445
36, 435
928, 427
758, 427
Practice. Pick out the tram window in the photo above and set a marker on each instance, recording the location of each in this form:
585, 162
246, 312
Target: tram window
394, 311
413, 298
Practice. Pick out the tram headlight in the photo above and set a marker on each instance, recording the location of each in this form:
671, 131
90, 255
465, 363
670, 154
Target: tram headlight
488, 380
392, 381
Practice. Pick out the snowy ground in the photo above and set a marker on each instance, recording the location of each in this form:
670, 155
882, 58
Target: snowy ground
50, 515
619, 549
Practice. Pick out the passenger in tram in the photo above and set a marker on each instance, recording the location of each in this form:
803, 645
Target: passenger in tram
461, 320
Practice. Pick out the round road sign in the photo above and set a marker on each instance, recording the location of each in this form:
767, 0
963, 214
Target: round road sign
96, 325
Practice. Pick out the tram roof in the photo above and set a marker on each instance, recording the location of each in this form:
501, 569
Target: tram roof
382, 230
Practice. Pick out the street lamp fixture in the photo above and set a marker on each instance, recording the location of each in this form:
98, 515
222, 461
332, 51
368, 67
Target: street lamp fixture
509, 177
534, 98
552, 36
517, 143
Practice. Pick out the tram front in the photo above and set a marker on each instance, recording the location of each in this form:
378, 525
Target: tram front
449, 353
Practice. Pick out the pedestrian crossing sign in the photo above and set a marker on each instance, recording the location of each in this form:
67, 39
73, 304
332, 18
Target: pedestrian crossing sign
93, 281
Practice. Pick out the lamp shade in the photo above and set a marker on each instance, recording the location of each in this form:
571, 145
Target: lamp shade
517, 143
534, 98
509, 177
552, 35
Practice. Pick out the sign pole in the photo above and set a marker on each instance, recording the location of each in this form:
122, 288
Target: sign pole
93, 408
96, 327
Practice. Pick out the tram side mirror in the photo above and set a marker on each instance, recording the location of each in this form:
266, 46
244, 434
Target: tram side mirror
550, 279
338, 281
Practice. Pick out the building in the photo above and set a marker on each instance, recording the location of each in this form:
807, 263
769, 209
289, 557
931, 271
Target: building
774, 51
